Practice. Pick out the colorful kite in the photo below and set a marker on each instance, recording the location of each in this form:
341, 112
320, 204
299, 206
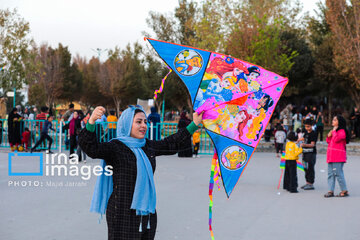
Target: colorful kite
237, 98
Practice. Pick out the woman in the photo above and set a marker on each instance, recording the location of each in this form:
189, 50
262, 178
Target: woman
14, 129
336, 156
131, 208
74, 129
183, 123
320, 126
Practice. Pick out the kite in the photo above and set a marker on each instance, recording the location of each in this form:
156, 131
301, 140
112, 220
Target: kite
237, 99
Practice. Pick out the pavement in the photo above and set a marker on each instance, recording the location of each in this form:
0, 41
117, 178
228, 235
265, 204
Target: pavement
57, 207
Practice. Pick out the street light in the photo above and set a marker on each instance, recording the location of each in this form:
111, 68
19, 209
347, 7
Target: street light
99, 51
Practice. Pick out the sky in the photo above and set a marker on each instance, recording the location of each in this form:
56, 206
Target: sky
85, 25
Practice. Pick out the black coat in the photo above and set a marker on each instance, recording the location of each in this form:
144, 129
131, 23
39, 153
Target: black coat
121, 220
14, 133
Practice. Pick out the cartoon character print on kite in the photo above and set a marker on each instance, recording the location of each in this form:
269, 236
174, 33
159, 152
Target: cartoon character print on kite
213, 93
228, 72
188, 62
258, 115
233, 157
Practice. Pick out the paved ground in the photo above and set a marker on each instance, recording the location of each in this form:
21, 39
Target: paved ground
255, 210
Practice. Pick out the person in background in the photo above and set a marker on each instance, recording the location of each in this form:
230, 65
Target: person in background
154, 118
112, 119
309, 154
14, 129
196, 142
81, 154
74, 130
319, 126
337, 139
183, 123
292, 152
280, 137
45, 134
297, 119
44, 113
355, 122
66, 117
25, 141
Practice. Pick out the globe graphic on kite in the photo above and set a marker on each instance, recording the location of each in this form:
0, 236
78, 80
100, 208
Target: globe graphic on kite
233, 157
188, 62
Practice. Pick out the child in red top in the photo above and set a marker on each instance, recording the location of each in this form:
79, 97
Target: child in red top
25, 138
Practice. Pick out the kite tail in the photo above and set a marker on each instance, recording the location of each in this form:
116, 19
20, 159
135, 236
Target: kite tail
217, 173
211, 187
282, 167
162, 83
299, 165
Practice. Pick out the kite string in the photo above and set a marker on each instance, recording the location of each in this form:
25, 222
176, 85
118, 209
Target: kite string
162, 83
211, 187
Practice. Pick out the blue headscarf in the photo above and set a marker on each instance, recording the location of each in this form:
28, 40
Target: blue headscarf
144, 197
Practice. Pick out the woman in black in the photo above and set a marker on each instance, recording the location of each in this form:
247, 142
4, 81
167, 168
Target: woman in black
129, 154
14, 129
183, 123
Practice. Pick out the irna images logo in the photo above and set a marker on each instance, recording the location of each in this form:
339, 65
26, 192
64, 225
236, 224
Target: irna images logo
31, 164
25, 164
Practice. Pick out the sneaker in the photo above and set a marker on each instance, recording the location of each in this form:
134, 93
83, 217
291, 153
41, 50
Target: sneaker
309, 187
198, 156
302, 187
294, 191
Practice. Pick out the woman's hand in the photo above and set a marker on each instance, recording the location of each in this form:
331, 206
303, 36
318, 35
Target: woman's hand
197, 118
330, 133
97, 114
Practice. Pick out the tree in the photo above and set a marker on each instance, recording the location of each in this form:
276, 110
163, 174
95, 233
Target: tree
328, 81
343, 18
91, 95
46, 86
71, 76
121, 76
14, 49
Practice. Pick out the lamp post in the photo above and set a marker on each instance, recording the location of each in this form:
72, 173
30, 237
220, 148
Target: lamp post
99, 51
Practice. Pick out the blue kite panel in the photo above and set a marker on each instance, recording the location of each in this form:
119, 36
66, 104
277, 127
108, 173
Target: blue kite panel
233, 157
188, 63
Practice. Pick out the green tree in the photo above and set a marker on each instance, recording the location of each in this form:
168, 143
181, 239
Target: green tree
71, 76
14, 49
122, 75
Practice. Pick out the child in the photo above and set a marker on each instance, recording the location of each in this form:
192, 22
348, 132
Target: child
280, 137
309, 154
26, 138
44, 134
196, 142
292, 152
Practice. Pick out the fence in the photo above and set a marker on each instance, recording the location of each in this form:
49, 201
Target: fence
105, 131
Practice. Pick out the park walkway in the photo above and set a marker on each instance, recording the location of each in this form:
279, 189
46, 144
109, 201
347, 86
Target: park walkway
59, 210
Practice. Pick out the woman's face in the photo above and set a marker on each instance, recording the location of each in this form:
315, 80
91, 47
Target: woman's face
76, 114
237, 71
240, 117
139, 126
253, 75
335, 122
